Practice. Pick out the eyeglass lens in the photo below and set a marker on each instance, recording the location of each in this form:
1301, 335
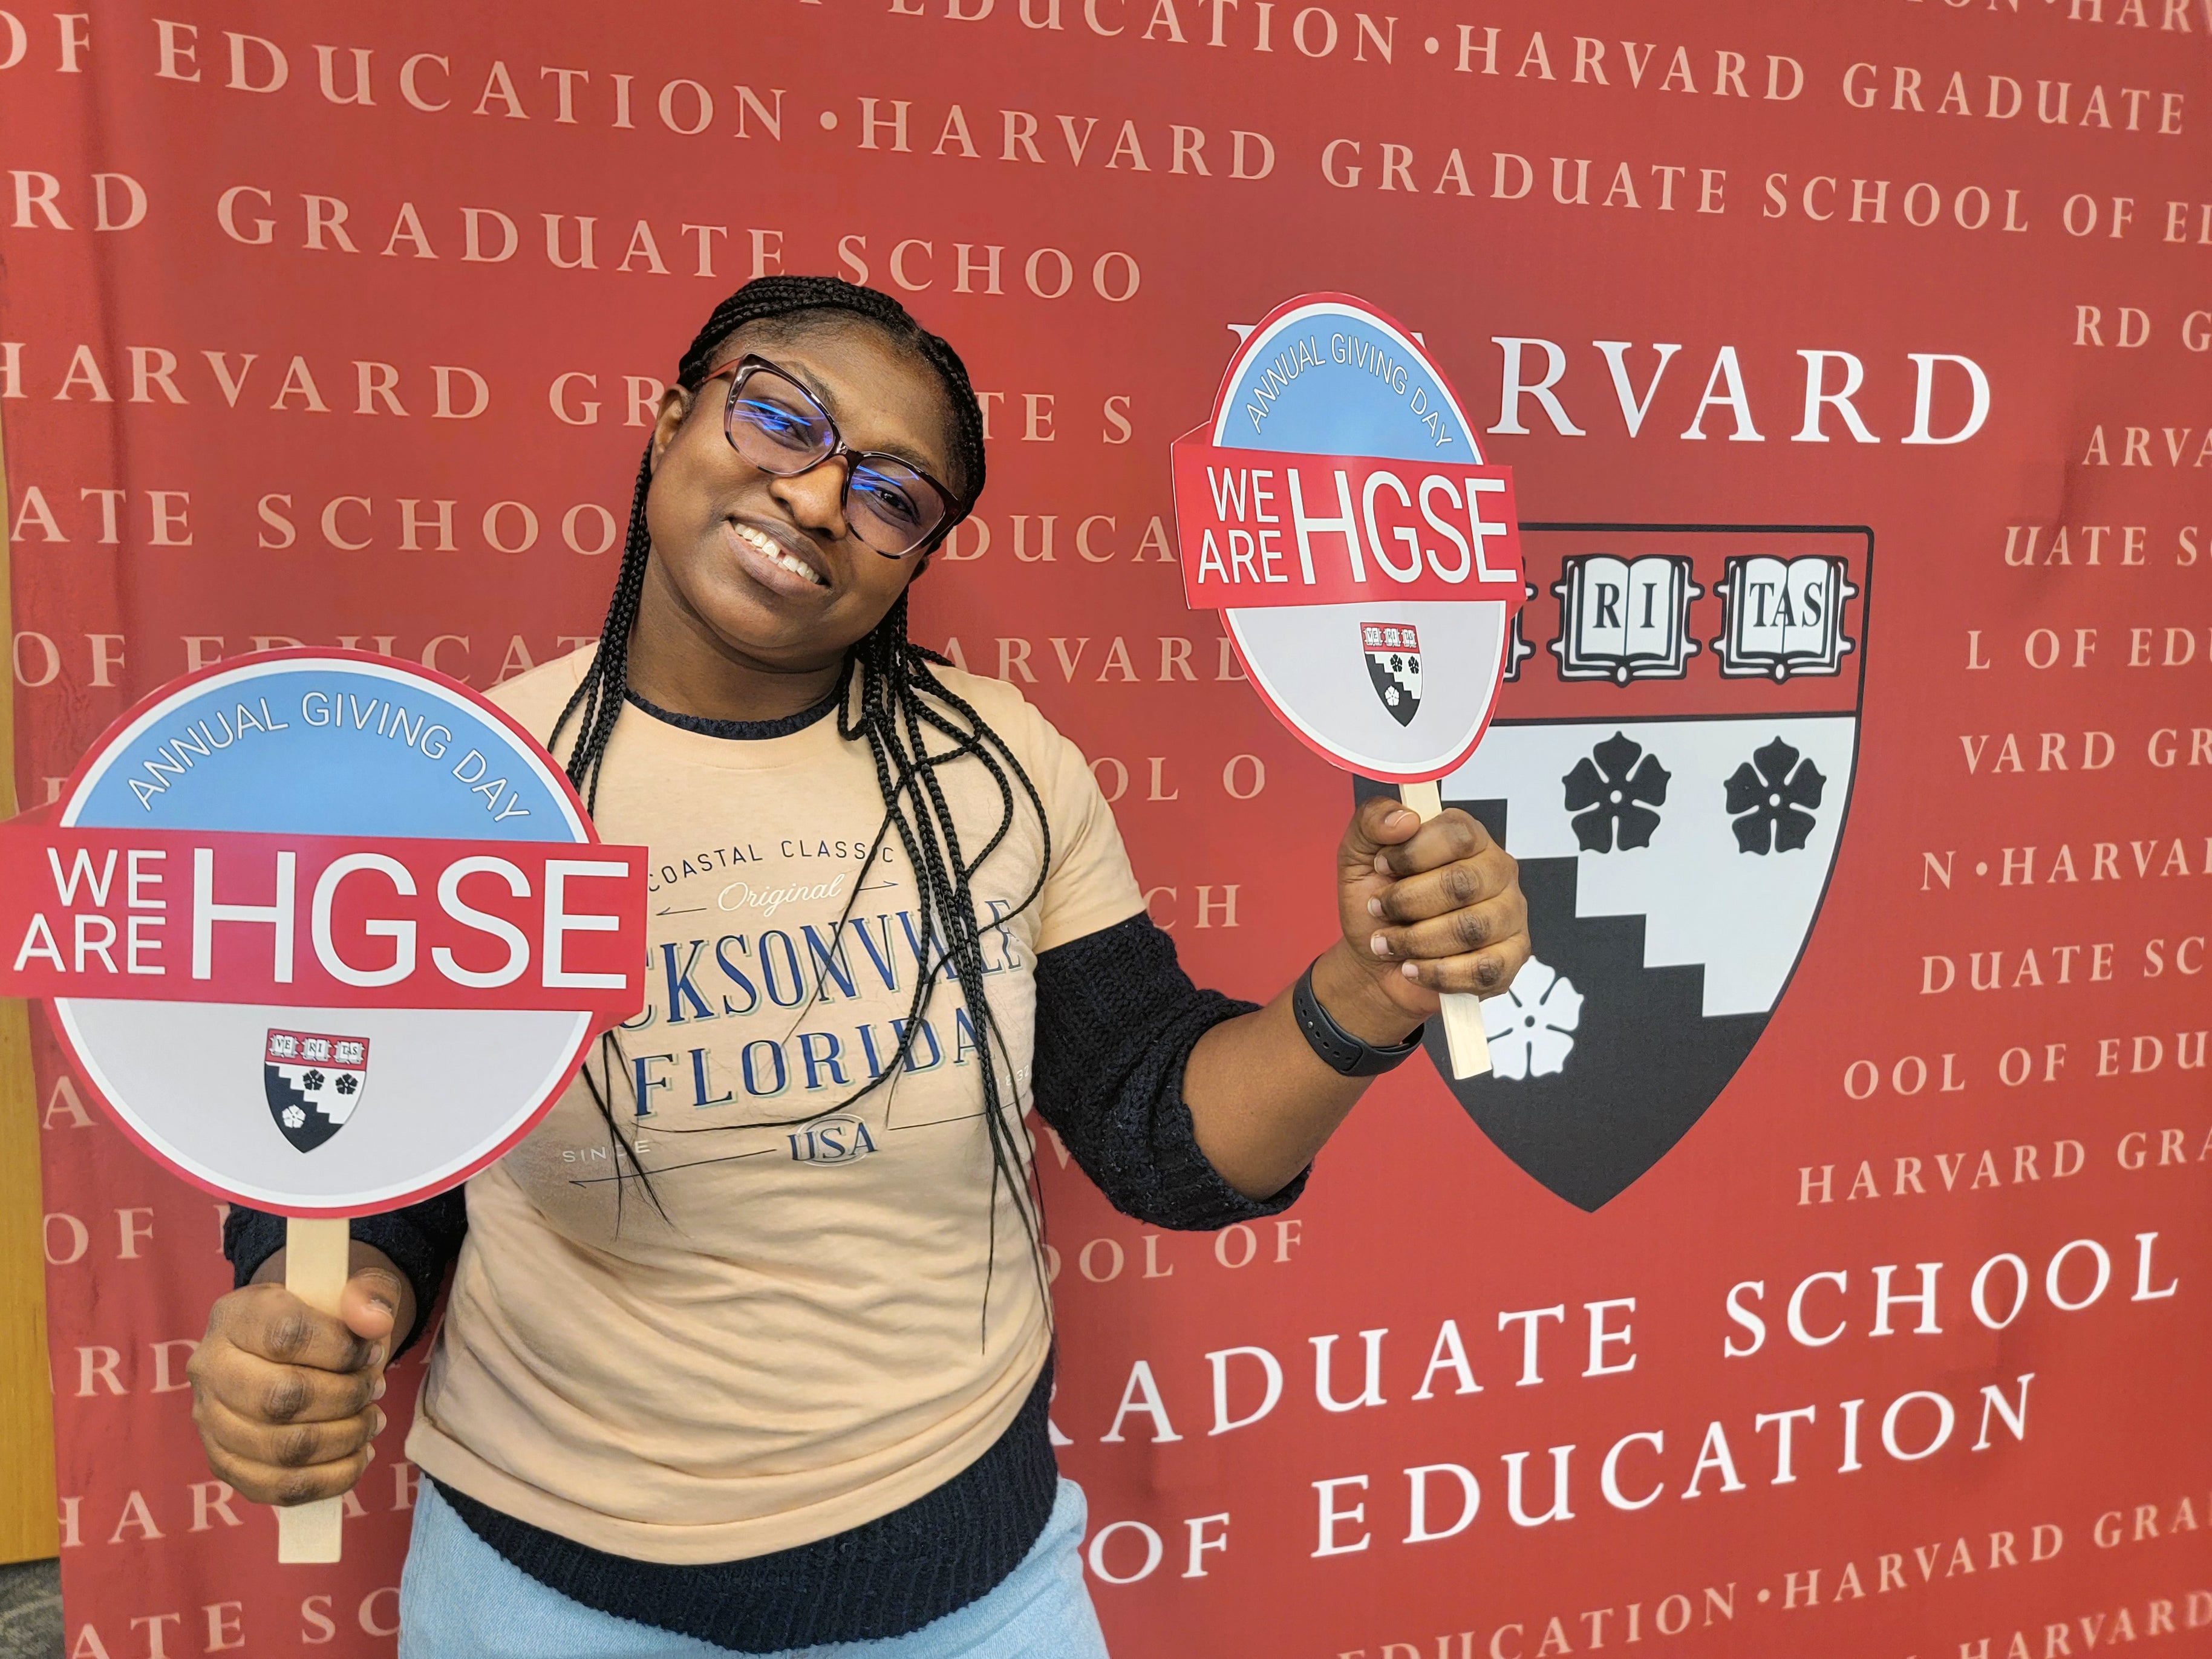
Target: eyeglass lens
774, 425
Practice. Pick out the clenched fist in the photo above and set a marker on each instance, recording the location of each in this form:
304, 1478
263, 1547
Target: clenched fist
285, 1397
1429, 907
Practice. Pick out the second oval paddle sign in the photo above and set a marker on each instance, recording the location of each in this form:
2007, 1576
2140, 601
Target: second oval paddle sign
1337, 511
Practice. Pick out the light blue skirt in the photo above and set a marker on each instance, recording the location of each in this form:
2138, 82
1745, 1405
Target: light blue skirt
461, 1599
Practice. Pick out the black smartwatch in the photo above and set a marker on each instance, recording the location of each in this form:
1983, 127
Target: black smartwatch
1339, 1050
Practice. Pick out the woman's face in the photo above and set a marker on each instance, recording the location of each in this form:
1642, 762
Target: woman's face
726, 535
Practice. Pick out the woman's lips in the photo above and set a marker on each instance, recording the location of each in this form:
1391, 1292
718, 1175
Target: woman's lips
770, 565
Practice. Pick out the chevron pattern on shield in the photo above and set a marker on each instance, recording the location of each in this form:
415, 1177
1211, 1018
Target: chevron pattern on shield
1675, 811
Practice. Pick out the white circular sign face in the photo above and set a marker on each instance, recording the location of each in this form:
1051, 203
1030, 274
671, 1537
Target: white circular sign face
1363, 555
355, 1106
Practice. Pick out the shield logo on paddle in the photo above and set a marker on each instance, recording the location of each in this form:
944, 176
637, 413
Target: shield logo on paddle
1671, 767
1394, 665
314, 1083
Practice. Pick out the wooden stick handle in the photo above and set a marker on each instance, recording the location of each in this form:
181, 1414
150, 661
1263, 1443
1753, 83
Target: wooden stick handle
317, 1256
1462, 1011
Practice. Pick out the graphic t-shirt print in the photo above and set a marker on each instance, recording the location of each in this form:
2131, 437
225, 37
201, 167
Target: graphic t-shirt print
783, 979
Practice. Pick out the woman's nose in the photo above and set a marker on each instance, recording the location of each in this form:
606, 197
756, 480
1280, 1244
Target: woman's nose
814, 498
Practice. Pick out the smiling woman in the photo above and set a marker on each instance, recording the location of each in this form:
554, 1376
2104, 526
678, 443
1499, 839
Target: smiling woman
749, 1344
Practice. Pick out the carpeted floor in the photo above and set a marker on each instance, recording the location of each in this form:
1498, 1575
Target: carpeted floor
31, 1611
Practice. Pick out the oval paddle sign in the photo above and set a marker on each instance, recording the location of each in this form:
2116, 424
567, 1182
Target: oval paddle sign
1338, 512
325, 933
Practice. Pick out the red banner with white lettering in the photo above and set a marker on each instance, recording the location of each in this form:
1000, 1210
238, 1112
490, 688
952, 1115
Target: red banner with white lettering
1825, 1269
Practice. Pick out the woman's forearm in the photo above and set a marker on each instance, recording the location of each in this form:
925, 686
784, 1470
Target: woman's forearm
1261, 1101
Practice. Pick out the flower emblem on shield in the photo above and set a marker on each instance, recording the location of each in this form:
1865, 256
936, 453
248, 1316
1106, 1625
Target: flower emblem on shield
1771, 796
1613, 792
313, 1082
1531, 1026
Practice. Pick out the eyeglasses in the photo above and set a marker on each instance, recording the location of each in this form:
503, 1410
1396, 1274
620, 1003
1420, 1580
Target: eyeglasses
777, 424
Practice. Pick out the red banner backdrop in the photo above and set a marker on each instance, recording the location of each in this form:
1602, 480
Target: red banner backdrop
335, 327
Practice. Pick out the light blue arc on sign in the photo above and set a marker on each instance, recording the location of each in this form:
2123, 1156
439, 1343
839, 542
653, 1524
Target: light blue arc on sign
325, 748
1326, 379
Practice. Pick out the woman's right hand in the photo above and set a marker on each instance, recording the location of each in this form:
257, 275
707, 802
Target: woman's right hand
285, 1397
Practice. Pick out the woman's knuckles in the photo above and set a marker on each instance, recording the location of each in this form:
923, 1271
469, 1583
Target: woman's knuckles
263, 1482
1408, 903
301, 1448
307, 1485
285, 1397
286, 1336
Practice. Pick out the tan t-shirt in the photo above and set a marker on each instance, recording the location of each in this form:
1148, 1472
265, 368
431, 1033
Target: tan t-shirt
800, 1345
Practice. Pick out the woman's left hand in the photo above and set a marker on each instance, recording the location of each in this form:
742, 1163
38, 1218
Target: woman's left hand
1443, 901
1428, 908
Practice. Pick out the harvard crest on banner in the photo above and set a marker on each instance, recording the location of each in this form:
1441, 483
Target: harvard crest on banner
1670, 763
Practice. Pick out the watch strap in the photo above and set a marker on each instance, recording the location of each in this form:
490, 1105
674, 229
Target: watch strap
1339, 1050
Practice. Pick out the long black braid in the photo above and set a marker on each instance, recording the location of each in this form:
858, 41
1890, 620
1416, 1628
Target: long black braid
894, 699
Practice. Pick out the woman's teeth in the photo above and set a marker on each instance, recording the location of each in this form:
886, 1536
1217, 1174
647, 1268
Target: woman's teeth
775, 555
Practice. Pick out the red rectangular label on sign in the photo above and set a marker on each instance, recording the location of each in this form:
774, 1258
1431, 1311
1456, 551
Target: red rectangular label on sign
176, 915
1261, 528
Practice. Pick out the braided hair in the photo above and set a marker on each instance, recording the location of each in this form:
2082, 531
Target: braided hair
893, 699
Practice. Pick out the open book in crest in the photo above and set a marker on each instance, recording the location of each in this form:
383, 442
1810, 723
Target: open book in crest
1625, 619
1785, 616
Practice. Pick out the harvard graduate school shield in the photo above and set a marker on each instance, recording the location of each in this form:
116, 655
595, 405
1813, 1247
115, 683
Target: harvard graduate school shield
313, 1083
1670, 762
1394, 664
